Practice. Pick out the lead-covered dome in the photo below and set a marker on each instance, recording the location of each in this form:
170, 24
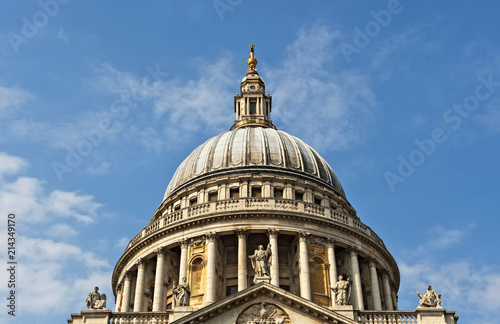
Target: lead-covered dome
254, 147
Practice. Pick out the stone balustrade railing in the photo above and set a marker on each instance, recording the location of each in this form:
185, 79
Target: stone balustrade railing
253, 203
139, 318
387, 317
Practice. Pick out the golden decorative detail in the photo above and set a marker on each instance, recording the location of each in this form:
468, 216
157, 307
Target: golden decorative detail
252, 62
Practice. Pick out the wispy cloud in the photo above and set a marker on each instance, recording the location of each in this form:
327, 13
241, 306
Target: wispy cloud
490, 118
55, 274
464, 285
343, 101
10, 164
11, 98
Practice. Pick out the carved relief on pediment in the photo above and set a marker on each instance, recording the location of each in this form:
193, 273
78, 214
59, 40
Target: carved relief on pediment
263, 313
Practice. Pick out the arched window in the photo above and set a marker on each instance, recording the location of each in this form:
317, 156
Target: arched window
197, 280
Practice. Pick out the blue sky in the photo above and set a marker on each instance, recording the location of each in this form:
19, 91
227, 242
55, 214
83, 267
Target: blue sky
100, 102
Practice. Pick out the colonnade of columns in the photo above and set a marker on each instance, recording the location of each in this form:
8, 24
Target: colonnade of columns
304, 273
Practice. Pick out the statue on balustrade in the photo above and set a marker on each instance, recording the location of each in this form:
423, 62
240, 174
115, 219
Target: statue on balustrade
342, 291
430, 298
261, 261
182, 293
95, 300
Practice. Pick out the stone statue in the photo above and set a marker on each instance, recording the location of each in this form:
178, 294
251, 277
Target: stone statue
95, 300
182, 293
261, 260
263, 313
430, 298
342, 291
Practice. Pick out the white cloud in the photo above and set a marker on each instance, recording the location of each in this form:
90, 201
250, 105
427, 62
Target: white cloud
48, 273
183, 107
63, 203
12, 98
61, 231
26, 196
490, 118
103, 168
342, 101
53, 275
62, 35
464, 285
10, 164
122, 243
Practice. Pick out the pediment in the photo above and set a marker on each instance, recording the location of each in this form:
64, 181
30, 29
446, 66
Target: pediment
266, 304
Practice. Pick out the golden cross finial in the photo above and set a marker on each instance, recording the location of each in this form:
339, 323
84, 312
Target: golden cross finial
252, 62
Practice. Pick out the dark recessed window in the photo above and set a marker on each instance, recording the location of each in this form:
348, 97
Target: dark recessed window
231, 290
234, 193
177, 207
213, 196
317, 201
256, 192
193, 202
278, 193
299, 196
284, 287
253, 107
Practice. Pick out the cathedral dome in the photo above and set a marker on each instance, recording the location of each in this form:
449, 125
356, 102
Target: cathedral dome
258, 148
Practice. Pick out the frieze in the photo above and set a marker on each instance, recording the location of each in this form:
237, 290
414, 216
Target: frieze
198, 241
317, 240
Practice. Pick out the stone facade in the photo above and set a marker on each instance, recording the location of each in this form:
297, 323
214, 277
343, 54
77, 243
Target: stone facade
242, 191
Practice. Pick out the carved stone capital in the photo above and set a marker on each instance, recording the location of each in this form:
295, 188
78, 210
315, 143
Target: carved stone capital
353, 251
241, 232
273, 233
212, 236
160, 252
303, 236
184, 243
128, 275
331, 241
140, 263
372, 262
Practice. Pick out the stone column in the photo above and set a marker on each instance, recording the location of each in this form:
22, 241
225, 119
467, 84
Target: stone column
183, 262
387, 291
242, 259
126, 292
356, 282
377, 302
305, 283
117, 299
158, 294
211, 262
139, 286
330, 245
394, 299
275, 266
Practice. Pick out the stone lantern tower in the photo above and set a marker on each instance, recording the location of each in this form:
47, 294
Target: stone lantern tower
255, 227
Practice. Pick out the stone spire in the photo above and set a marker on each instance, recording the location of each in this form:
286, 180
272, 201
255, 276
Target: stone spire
252, 106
